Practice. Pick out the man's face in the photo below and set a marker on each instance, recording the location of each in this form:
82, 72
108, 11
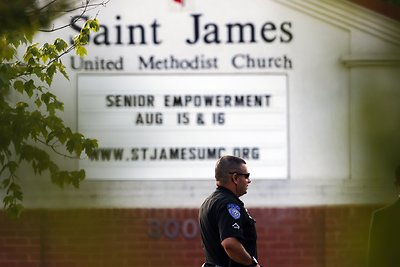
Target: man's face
242, 181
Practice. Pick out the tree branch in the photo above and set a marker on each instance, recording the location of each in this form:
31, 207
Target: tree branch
86, 7
47, 5
73, 22
55, 150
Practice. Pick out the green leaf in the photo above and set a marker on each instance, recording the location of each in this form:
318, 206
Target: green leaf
8, 200
60, 44
32, 52
84, 31
45, 58
14, 210
61, 68
38, 102
29, 87
81, 51
45, 98
77, 177
12, 166
19, 86
15, 188
94, 25
58, 105
7, 52
5, 183
84, 39
21, 106
50, 72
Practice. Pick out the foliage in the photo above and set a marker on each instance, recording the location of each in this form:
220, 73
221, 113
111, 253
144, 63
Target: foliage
29, 129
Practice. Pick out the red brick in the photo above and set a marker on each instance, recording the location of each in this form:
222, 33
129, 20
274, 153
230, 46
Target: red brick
301, 237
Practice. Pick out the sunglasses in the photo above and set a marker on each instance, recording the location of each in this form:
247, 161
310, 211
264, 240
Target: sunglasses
246, 175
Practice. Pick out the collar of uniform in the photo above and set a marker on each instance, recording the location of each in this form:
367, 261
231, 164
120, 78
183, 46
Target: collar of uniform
227, 191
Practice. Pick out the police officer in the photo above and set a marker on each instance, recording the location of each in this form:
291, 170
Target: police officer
227, 230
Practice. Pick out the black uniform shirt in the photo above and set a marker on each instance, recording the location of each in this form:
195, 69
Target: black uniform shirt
223, 215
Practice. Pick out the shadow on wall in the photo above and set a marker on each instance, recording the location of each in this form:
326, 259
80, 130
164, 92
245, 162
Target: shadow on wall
376, 127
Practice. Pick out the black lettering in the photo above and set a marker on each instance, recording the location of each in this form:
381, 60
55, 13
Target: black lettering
174, 153
134, 34
212, 35
196, 30
228, 100
285, 27
78, 66
177, 101
154, 27
240, 27
183, 118
267, 28
102, 36
247, 152
208, 100
109, 101
118, 29
236, 32
192, 153
146, 65
131, 34
134, 154
239, 100
163, 154
149, 118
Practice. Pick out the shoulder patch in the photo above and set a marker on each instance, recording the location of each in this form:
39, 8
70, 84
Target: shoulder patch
234, 210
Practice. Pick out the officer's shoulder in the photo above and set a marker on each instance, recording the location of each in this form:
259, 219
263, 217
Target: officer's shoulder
224, 199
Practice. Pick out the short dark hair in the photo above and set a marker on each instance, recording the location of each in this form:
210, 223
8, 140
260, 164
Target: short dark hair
397, 176
227, 164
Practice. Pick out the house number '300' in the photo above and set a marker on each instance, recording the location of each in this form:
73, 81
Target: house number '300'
172, 228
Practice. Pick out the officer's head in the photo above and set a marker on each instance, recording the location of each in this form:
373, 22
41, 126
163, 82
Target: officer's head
231, 172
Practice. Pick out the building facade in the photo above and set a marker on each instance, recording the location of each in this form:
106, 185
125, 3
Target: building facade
305, 91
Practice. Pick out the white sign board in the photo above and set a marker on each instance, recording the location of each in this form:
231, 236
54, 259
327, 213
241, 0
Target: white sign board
173, 126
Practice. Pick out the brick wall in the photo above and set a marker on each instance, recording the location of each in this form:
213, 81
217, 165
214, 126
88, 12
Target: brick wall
300, 237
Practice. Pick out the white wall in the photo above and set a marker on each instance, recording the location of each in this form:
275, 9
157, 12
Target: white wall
339, 53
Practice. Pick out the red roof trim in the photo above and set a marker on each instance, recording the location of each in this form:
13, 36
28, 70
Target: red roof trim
384, 7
